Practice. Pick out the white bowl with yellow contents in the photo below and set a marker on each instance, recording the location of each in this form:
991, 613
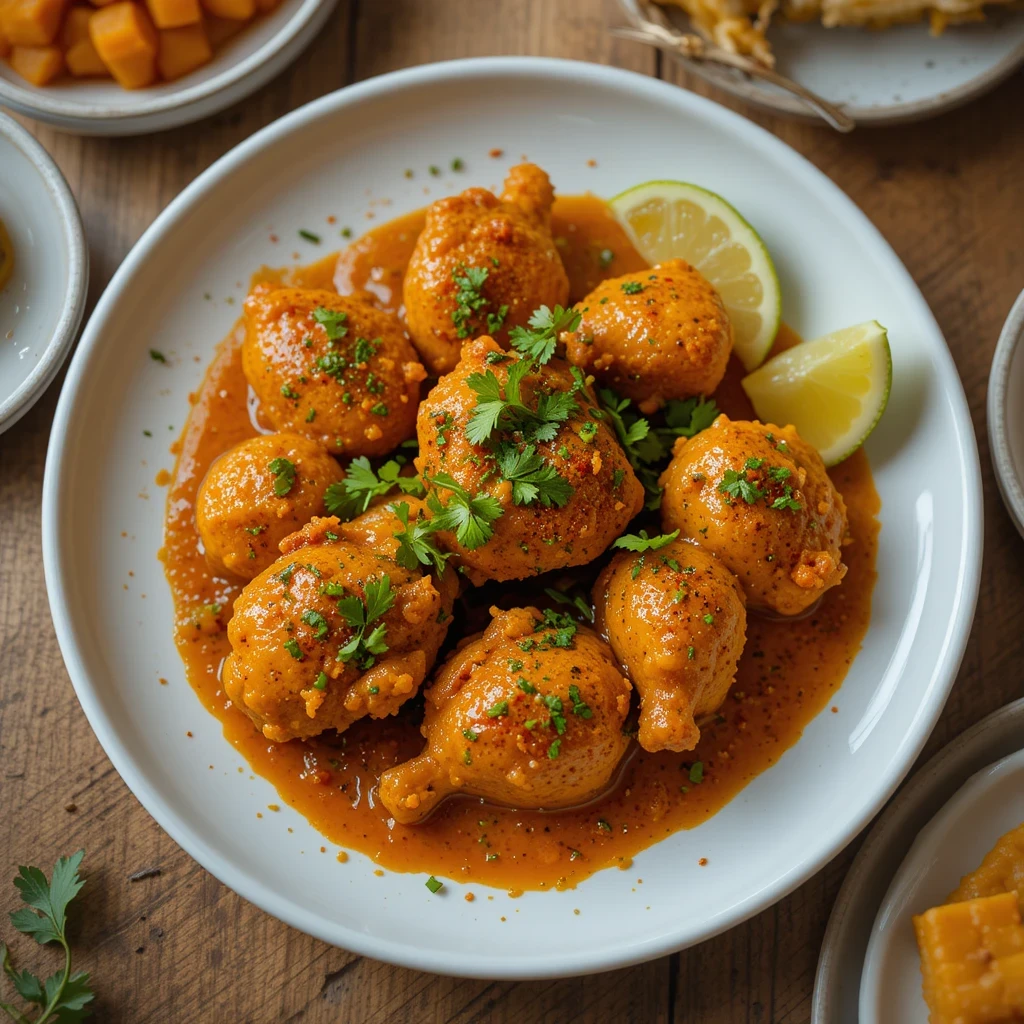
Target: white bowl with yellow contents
95, 106
44, 271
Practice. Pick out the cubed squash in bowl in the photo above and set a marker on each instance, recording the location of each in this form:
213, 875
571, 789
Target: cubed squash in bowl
220, 30
174, 13
126, 41
31, 22
39, 65
182, 50
76, 26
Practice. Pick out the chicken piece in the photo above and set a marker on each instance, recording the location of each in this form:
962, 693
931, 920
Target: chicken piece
676, 620
655, 335
328, 634
758, 497
257, 493
529, 714
561, 501
331, 367
482, 265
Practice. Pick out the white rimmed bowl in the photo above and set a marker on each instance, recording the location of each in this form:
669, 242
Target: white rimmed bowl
240, 67
41, 306
345, 156
987, 806
1006, 413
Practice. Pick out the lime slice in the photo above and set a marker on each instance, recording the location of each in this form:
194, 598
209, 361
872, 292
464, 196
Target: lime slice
669, 220
833, 389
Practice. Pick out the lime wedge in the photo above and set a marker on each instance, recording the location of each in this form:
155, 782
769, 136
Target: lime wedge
673, 220
833, 389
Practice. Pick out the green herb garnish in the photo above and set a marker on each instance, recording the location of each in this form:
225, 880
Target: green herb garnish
363, 648
538, 341
641, 542
284, 475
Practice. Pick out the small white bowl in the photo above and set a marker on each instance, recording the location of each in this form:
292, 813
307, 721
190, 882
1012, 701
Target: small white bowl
41, 306
1006, 413
987, 806
240, 67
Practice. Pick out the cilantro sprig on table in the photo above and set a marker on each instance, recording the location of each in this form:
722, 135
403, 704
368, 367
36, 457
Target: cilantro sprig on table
64, 997
353, 495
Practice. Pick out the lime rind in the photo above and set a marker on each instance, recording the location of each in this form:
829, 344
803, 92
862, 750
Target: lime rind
771, 387
750, 348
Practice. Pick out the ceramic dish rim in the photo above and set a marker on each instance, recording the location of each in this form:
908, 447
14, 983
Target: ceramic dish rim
957, 626
15, 405
1010, 486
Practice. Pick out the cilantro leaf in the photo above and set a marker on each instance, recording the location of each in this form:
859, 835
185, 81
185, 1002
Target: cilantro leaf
641, 542
736, 485
331, 321
689, 417
361, 613
531, 477
538, 341
64, 996
353, 495
468, 516
415, 546
469, 299
578, 601
284, 475
786, 501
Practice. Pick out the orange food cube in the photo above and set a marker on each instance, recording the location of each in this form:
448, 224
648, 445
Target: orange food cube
972, 960
236, 10
220, 30
31, 22
84, 62
1002, 870
76, 26
126, 41
39, 65
182, 50
174, 13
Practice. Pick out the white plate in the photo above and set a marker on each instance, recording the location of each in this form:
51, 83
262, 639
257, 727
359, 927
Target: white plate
593, 128
882, 77
989, 805
42, 304
837, 984
1006, 413
240, 67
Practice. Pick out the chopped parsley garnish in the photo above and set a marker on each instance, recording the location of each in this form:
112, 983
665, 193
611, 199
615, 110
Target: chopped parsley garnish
786, 501
380, 409
515, 665
603, 825
332, 321
579, 705
415, 546
352, 496
577, 601
458, 164
284, 475
538, 341
691, 653
641, 542
498, 710
364, 350
469, 298
736, 485
697, 772
525, 685
555, 748
632, 287
709, 619
467, 757
563, 628
471, 735
466, 515
321, 682
157, 356
433, 884
779, 474
309, 236
363, 647
318, 622
531, 477
288, 392
291, 645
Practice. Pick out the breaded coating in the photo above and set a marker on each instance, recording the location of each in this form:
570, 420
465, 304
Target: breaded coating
257, 493
759, 497
676, 620
331, 367
297, 666
654, 335
528, 714
482, 265
529, 538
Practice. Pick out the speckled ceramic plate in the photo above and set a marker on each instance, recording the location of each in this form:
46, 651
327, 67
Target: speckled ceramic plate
837, 985
1006, 413
882, 77
593, 128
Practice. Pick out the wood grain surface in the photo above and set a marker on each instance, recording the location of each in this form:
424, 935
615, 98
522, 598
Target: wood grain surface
179, 947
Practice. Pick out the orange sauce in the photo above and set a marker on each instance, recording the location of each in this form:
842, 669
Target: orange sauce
789, 671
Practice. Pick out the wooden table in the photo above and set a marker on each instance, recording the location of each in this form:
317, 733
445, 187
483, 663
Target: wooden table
949, 196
